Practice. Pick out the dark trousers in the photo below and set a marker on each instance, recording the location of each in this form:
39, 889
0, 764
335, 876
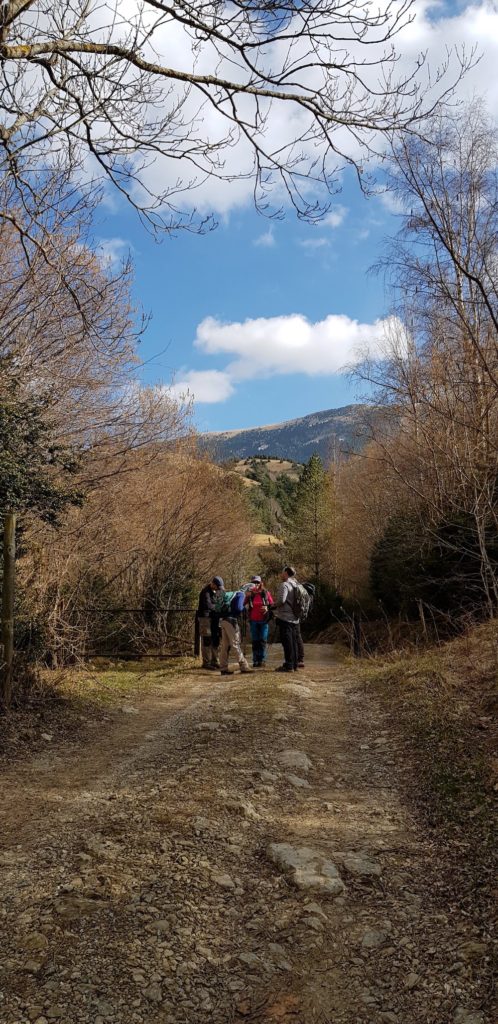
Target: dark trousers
288, 639
300, 645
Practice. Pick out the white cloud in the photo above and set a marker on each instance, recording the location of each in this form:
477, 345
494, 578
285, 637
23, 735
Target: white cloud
267, 239
203, 386
335, 217
281, 345
271, 346
313, 243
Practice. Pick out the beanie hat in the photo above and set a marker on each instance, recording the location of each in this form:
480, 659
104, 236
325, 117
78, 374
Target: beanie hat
219, 582
256, 579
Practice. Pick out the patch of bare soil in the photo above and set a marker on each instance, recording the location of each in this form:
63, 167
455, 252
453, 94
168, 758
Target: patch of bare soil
144, 873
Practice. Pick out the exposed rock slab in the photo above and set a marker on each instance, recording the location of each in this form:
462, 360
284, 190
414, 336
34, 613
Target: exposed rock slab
309, 869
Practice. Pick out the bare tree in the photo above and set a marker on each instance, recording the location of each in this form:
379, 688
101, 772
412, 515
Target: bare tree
282, 94
69, 332
444, 261
439, 375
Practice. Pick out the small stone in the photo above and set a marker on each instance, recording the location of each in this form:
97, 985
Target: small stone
32, 966
473, 950
244, 807
35, 942
373, 938
412, 980
315, 908
313, 922
73, 907
201, 824
297, 689
161, 927
360, 865
236, 985
54, 1012
250, 959
296, 759
204, 951
465, 1016
47, 736
153, 993
224, 881
297, 782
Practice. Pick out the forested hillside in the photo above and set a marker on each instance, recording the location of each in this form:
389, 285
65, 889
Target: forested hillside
327, 434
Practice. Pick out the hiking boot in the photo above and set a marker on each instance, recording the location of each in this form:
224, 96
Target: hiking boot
213, 668
300, 664
245, 669
283, 668
227, 672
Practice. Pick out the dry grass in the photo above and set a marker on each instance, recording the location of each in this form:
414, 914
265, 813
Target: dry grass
443, 702
64, 704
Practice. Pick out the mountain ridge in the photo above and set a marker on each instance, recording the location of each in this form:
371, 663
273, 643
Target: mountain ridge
294, 439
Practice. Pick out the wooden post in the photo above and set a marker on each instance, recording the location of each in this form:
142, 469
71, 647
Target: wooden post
9, 556
197, 637
356, 635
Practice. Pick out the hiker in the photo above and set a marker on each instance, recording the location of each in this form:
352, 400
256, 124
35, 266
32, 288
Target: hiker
208, 623
310, 590
259, 603
288, 619
229, 605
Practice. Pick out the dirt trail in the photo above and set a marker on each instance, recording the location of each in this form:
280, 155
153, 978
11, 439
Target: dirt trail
140, 884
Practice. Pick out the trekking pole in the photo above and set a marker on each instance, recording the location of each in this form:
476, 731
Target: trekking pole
244, 632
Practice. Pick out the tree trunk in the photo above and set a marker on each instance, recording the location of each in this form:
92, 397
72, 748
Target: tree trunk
9, 554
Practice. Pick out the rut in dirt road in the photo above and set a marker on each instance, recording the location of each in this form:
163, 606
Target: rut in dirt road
250, 857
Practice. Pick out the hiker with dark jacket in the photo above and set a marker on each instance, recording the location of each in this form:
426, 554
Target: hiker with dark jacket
229, 605
310, 590
259, 604
208, 623
288, 619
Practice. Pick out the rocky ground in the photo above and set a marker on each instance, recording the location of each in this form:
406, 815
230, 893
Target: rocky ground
232, 850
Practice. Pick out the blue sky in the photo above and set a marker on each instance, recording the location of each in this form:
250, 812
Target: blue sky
257, 317
251, 267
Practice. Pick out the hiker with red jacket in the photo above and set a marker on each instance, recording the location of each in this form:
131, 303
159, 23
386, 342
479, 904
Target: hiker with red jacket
259, 603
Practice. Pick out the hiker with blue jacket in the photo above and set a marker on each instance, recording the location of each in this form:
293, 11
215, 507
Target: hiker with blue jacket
287, 615
229, 605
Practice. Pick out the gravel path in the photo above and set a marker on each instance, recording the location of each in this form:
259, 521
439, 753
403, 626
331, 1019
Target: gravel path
233, 850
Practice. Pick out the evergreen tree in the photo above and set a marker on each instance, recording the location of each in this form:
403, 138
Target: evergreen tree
34, 466
310, 526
